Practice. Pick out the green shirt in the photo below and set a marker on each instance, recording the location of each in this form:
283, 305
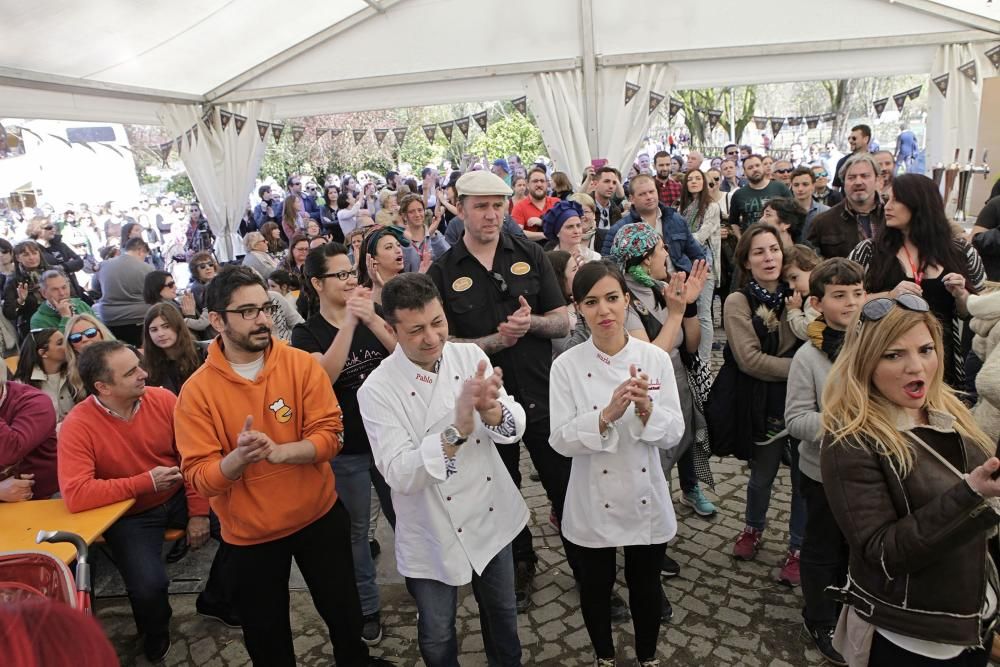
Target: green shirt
47, 317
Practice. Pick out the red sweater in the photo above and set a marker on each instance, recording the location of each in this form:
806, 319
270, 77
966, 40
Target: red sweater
28, 436
104, 459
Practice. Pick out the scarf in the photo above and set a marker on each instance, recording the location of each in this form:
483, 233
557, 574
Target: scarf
691, 215
775, 301
824, 338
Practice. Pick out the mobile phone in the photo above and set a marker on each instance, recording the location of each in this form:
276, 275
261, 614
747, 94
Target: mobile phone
996, 475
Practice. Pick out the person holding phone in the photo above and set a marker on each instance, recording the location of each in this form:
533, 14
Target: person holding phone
911, 480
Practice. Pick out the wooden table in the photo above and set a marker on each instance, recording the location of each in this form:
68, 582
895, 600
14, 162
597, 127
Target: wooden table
20, 523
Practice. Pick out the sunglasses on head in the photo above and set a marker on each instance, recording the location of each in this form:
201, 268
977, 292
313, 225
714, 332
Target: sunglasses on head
876, 309
75, 338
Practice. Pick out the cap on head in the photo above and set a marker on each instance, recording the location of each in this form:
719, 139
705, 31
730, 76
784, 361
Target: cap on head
500, 162
482, 183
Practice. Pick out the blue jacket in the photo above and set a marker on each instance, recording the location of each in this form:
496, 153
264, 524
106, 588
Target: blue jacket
681, 244
309, 206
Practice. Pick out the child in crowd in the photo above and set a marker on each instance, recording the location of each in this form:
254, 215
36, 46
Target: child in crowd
836, 292
799, 261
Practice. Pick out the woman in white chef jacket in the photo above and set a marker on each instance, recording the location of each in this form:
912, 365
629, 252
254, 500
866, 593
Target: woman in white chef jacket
613, 404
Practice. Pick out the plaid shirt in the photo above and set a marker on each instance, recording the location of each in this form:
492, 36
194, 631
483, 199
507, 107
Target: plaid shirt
669, 191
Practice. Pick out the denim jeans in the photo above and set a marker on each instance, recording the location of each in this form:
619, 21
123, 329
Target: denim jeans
763, 469
494, 591
354, 488
136, 543
705, 301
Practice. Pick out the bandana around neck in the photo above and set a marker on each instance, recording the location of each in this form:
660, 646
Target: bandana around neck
824, 338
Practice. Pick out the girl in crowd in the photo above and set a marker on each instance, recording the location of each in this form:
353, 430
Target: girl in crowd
169, 351
20, 295
272, 234
727, 241
43, 365
520, 187
561, 185
565, 267
158, 287
284, 283
613, 420
785, 215
6, 258
354, 246
449, 201
56, 253
8, 334
203, 270
81, 331
347, 210
704, 217
130, 230
761, 344
563, 227
381, 259
424, 239
589, 217
328, 212
298, 248
258, 258
292, 215
917, 253
798, 261
909, 476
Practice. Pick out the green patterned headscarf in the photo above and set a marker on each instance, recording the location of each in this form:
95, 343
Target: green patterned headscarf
631, 245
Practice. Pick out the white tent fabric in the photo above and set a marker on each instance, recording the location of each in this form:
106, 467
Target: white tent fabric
557, 102
623, 127
222, 166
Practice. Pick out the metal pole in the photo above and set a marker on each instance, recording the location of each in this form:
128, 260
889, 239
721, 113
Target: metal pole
589, 76
732, 116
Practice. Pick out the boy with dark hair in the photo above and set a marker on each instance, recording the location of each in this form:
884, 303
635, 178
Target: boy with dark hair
836, 291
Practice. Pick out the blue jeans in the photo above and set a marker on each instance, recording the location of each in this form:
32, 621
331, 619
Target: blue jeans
136, 543
705, 319
763, 469
354, 488
494, 591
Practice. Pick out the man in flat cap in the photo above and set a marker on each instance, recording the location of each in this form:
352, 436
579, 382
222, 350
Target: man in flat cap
500, 292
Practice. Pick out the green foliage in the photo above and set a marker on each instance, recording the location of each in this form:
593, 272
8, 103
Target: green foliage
716, 98
181, 186
511, 135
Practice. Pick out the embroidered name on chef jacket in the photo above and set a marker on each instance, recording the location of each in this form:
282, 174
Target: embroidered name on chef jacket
425, 378
604, 359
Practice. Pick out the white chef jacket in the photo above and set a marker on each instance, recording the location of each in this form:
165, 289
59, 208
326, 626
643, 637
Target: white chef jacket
617, 492
446, 527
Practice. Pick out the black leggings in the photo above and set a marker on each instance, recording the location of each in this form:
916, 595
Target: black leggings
595, 570
886, 654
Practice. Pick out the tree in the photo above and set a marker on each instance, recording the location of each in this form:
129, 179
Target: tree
839, 104
716, 99
181, 186
513, 134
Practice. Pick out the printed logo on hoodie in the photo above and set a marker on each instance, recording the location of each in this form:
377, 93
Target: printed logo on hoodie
281, 411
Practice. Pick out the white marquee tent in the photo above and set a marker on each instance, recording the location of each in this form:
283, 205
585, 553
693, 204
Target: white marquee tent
142, 61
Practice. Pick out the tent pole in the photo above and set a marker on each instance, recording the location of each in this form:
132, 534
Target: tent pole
589, 78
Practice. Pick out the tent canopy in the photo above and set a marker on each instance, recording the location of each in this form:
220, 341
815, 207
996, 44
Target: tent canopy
120, 60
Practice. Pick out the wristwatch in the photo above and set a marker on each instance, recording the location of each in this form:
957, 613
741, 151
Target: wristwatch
451, 436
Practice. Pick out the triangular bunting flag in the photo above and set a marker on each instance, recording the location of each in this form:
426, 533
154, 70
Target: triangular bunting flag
880, 106
463, 125
673, 106
165, 149
188, 135
208, 118
829, 117
321, 132
447, 129
714, 115
900, 100
812, 122
224, 118
380, 135
276, 130
914, 93
400, 134
760, 122
776, 124
239, 121
336, 132
262, 126
794, 121
630, 90
654, 101
359, 135
969, 70
297, 132
942, 84
480, 119
994, 56
521, 104
178, 144
194, 133
429, 131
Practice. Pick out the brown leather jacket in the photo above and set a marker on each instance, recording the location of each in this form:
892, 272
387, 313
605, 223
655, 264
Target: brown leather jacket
835, 232
918, 545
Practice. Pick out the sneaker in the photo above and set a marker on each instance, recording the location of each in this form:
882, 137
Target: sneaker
669, 568
747, 544
789, 574
217, 612
524, 573
649, 663
619, 610
375, 548
155, 647
371, 629
822, 639
697, 501
605, 662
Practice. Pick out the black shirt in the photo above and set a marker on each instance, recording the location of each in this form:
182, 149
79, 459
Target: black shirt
477, 301
748, 203
316, 335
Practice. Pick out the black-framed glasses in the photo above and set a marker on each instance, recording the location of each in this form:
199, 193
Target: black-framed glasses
75, 338
251, 312
339, 275
876, 309
500, 281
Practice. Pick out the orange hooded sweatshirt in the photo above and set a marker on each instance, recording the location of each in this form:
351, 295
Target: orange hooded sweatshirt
290, 400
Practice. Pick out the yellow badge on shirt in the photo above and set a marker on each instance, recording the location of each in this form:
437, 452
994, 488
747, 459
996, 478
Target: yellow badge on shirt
520, 268
462, 284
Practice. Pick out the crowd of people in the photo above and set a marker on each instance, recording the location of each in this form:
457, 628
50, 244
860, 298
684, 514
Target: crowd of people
385, 348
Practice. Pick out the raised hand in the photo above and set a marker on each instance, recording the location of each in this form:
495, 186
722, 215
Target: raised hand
674, 292
518, 322
696, 281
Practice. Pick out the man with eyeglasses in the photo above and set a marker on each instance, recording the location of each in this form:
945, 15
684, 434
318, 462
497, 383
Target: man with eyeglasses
782, 172
257, 426
59, 304
822, 194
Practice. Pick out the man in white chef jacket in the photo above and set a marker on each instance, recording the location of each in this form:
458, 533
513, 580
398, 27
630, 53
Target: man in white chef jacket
433, 410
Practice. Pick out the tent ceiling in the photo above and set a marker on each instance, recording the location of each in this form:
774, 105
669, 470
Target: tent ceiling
362, 54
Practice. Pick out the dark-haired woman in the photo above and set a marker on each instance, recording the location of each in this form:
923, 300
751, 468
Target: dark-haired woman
328, 213
704, 216
918, 254
272, 234
349, 340
42, 364
203, 270
298, 248
614, 407
787, 216
21, 297
170, 352
565, 267
382, 258
158, 287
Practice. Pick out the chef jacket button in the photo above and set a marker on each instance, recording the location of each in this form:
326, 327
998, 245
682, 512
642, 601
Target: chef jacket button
477, 441
605, 472
607, 506
361, 376
460, 530
456, 377
588, 374
595, 407
491, 509
531, 406
448, 498
413, 393
489, 479
644, 470
643, 501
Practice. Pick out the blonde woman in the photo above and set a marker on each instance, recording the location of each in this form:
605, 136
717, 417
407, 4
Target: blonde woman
909, 477
589, 217
81, 331
258, 258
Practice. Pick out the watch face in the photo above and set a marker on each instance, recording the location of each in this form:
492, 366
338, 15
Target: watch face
450, 435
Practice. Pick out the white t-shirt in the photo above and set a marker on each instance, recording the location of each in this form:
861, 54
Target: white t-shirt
249, 371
